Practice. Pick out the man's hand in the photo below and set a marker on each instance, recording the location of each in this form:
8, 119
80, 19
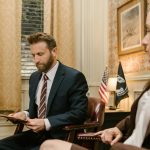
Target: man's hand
19, 115
110, 136
36, 125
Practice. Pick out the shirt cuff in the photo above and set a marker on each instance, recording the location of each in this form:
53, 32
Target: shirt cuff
27, 114
47, 124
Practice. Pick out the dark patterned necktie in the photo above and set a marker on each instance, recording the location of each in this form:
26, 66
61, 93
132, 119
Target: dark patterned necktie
42, 106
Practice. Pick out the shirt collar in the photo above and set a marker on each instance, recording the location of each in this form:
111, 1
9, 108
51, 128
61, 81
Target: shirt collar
51, 73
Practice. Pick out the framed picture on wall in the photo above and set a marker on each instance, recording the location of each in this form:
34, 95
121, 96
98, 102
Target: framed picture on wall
131, 26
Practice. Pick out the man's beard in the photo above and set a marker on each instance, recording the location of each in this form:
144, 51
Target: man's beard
47, 66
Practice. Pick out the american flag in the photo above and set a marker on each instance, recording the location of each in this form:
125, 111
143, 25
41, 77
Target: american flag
104, 94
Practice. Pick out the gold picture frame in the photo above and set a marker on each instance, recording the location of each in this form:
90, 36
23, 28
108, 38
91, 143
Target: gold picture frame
131, 26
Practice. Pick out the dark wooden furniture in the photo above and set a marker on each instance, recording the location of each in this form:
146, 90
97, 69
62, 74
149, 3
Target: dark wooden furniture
112, 117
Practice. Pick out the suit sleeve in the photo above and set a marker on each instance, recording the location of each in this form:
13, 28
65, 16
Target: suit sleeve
78, 104
123, 126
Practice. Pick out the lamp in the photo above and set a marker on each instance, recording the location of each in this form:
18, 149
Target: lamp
111, 87
112, 83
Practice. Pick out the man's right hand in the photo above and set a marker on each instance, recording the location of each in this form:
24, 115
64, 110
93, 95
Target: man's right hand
110, 136
19, 115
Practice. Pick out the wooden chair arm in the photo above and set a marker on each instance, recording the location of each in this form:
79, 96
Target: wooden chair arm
88, 136
19, 128
84, 126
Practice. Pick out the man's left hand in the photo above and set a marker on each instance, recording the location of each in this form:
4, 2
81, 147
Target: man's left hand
36, 125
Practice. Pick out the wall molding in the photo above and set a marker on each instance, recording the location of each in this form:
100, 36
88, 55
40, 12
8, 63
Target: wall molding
138, 76
91, 38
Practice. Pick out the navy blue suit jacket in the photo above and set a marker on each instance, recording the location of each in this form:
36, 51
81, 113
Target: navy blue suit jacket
67, 102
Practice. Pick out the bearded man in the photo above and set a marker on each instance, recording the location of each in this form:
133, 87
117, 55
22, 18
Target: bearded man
57, 98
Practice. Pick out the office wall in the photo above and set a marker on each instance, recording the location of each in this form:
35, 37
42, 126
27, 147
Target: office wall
95, 31
140, 62
10, 31
136, 65
91, 40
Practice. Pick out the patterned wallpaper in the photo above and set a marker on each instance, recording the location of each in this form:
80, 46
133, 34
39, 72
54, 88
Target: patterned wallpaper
132, 63
59, 22
10, 43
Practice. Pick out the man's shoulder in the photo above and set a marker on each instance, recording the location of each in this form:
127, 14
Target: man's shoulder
72, 73
35, 74
70, 70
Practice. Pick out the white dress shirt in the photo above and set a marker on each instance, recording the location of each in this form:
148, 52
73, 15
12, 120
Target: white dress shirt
50, 74
141, 122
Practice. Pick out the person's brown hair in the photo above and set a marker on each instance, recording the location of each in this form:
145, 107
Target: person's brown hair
42, 37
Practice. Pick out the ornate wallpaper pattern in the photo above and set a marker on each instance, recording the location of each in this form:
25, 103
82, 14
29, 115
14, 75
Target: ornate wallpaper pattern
132, 63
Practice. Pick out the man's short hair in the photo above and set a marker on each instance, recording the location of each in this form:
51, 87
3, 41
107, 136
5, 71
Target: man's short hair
42, 37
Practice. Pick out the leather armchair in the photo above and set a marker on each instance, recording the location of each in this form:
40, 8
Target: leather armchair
94, 121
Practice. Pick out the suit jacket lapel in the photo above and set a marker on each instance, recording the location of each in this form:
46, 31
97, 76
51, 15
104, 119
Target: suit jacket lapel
35, 84
57, 80
33, 88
